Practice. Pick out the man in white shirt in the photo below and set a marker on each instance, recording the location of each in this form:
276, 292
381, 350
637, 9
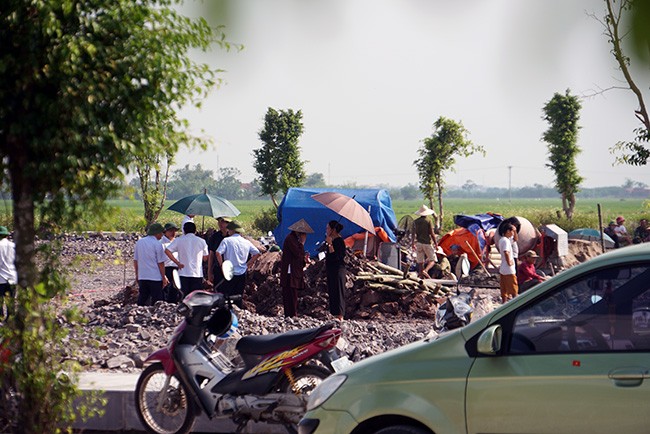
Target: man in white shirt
149, 264
237, 250
192, 251
7, 268
507, 269
171, 293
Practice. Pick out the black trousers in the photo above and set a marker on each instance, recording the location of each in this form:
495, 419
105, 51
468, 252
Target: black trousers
149, 288
6, 289
235, 287
190, 284
290, 301
335, 288
171, 293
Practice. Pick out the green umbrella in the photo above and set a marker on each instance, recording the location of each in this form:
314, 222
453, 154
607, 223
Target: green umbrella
205, 205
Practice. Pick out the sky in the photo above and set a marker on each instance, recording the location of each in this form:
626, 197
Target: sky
372, 76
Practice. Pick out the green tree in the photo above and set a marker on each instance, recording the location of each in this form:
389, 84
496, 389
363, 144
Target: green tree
635, 14
278, 160
86, 88
409, 191
191, 180
562, 112
228, 183
315, 180
438, 154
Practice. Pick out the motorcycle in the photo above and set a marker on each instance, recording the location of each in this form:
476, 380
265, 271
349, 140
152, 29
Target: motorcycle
268, 381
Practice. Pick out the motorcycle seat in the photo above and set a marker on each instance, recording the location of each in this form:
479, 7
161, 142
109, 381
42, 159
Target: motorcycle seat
265, 344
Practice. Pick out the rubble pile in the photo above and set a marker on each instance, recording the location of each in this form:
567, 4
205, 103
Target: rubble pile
121, 336
384, 309
373, 291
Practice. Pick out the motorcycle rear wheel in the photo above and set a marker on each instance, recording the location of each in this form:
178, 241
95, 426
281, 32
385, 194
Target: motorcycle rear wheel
306, 378
177, 413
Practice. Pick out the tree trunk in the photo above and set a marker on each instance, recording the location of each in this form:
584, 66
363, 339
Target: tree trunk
621, 59
568, 205
275, 202
24, 230
440, 206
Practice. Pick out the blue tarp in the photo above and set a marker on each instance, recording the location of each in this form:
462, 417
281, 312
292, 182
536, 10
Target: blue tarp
484, 221
298, 204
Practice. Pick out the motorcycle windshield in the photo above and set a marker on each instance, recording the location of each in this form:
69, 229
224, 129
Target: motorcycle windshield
202, 298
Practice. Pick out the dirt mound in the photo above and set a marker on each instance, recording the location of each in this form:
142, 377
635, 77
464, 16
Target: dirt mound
581, 251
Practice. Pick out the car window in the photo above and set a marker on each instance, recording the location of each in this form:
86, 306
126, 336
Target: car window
606, 310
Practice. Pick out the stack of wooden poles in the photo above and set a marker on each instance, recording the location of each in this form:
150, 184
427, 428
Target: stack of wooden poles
381, 277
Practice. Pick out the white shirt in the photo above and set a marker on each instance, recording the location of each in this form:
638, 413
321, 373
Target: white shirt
515, 248
236, 249
506, 246
7, 259
165, 243
191, 250
620, 230
149, 253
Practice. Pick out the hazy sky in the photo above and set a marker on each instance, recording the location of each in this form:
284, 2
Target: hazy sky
372, 76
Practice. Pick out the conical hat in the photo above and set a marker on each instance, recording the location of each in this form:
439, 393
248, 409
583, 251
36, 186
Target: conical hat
301, 226
424, 210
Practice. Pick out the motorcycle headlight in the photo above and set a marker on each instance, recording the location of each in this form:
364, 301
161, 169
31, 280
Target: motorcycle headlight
324, 390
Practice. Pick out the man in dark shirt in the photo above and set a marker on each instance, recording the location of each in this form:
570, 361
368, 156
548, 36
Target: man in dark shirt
425, 239
215, 275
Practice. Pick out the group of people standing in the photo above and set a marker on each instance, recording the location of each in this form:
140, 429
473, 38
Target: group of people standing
294, 260
161, 255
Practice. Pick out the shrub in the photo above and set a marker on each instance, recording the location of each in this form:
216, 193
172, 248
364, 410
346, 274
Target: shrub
266, 220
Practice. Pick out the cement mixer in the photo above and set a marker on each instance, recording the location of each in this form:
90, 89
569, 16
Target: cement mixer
527, 236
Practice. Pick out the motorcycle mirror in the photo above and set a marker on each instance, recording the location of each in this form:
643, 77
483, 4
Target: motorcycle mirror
228, 269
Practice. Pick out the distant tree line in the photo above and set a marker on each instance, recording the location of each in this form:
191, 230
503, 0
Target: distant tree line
226, 183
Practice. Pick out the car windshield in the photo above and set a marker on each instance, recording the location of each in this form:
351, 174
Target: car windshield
603, 310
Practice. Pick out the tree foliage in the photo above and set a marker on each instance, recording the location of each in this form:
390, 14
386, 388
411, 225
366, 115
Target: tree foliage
87, 87
635, 152
228, 183
438, 154
191, 180
315, 180
562, 113
278, 161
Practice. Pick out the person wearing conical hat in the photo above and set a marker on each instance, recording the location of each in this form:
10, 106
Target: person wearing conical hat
292, 264
425, 240
440, 269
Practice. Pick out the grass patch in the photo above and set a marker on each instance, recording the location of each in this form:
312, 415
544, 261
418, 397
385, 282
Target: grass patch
127, 215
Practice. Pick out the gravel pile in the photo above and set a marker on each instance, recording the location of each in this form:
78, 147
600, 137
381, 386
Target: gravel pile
119, 337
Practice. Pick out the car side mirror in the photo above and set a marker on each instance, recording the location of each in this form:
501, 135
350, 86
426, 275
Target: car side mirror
489, 343
228, 269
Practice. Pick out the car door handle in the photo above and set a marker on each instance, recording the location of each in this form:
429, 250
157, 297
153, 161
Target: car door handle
629, 377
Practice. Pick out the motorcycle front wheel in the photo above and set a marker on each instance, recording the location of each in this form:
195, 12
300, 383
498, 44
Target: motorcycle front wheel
163, 409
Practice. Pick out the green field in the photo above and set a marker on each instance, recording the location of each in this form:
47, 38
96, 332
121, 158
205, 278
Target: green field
127, 214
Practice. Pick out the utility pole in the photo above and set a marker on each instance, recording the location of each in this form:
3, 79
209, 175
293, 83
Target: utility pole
329, 174
509, 183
